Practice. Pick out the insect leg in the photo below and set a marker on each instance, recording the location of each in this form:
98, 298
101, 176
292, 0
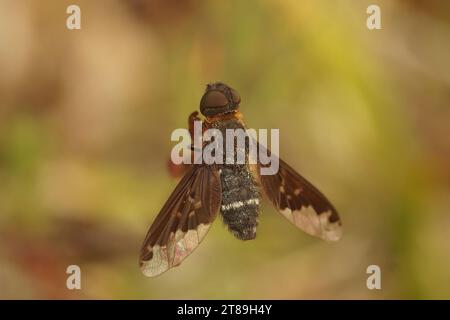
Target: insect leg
178, 170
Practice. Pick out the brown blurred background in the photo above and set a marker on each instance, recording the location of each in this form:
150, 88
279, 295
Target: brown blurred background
86, 117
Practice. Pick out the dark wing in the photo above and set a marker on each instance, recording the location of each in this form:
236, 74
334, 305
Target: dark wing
301, 203
183, 221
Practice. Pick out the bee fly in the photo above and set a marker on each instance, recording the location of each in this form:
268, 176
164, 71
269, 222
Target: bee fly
235, 190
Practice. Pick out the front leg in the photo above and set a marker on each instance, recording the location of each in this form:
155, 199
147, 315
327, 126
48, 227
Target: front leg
178, 170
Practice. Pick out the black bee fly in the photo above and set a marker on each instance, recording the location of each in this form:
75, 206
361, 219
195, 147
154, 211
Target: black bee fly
235, 189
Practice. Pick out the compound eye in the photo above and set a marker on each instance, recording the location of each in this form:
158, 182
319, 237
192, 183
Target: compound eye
213, 99
235, 96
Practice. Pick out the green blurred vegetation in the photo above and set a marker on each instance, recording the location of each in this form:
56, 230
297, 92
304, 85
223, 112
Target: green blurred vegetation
86, 117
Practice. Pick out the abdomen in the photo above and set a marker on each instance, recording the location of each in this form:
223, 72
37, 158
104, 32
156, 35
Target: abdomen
241, 195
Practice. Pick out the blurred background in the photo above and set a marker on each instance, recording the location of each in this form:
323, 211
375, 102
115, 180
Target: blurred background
85, 123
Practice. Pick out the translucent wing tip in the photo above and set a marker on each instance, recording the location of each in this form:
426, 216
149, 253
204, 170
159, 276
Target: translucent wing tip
318, 225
